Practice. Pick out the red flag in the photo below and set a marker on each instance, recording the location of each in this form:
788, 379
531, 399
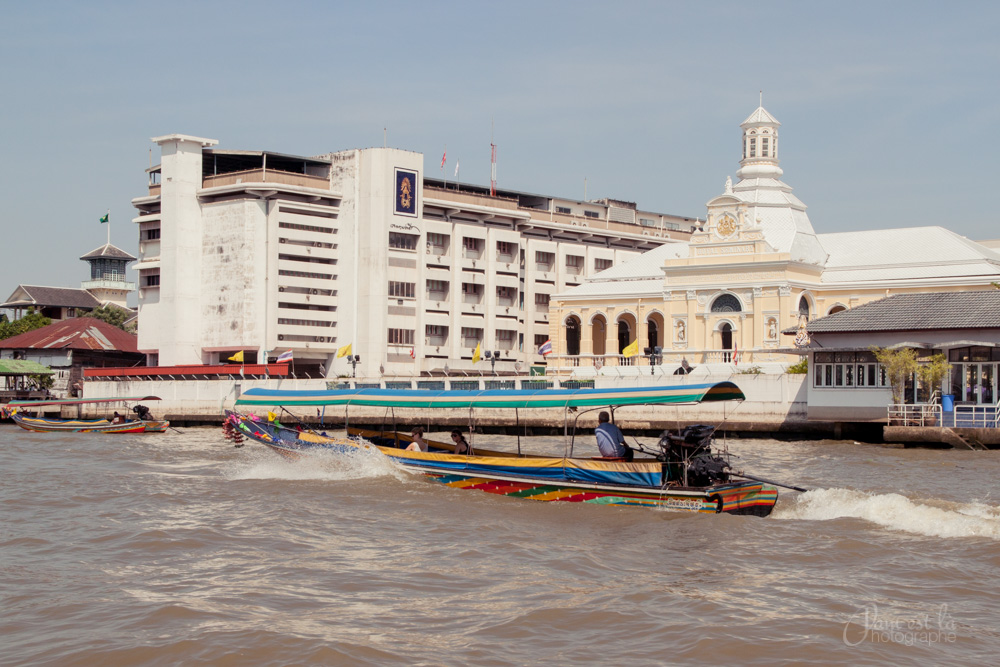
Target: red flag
444, 157
412, 354
736, 355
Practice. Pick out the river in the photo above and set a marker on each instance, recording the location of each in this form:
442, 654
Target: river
179, 548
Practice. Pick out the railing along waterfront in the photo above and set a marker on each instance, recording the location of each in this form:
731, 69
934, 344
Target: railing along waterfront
915, 414
673, 358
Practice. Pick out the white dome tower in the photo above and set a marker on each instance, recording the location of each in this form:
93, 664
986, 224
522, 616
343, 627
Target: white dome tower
771, 205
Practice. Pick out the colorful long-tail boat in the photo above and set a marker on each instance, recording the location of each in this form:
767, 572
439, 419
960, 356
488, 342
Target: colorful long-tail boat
24, 414
681, 473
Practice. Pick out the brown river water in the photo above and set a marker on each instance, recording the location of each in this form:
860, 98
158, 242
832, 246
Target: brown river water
181, 549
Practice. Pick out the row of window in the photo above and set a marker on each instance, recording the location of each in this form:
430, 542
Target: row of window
472, 248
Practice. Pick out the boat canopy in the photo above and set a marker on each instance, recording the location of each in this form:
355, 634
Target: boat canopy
83, 401
497, 398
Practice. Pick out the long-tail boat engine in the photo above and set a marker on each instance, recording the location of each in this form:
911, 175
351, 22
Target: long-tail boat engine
690, 459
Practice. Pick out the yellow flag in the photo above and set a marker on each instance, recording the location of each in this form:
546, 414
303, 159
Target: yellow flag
631, 349
271, 416
476, 355
344, 351
237, 357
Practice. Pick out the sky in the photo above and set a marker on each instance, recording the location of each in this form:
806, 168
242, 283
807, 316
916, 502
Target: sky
889, 110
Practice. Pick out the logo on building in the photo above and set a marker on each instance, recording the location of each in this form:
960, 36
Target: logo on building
406, 192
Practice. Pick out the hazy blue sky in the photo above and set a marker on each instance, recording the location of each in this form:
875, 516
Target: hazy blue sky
889, 111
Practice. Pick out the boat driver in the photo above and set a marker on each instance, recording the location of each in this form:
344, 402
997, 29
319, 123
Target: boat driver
611, 440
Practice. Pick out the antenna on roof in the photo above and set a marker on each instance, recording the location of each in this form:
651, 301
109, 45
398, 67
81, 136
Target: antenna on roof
761, 99
385, 130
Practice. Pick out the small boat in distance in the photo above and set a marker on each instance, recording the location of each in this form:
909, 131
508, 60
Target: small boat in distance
142, 423
681, 473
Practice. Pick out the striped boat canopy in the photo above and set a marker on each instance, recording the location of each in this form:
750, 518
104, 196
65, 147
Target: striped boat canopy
498, 398
82, 401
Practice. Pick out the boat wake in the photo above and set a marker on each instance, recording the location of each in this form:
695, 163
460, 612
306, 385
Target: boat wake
330, 466
896, 512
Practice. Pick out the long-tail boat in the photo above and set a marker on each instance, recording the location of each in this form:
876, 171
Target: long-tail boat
683, 472
26, 415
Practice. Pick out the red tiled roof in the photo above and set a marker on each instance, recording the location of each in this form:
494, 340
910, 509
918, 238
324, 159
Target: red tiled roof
78, 333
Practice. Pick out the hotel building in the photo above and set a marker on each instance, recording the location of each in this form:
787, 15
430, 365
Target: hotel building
263, 253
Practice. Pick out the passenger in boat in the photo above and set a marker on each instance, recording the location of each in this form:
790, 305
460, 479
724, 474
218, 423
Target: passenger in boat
461, 444
611, 440
117, 419
418, 444
684, 369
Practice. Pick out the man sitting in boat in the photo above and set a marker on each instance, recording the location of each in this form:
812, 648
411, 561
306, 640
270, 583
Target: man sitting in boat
611, 440
418, 444
117, 419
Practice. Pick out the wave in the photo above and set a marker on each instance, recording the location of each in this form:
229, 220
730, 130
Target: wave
896, 512
330, 466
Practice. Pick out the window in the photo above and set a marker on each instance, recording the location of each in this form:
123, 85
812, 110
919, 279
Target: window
400, 336
402, 241
847, 369
592, 214
151, 280
307, 274
402, 290
505, 251
727, 303
763, 147
563, 209
437, 290
544, 260
542, 299
152, 234
437, 244
574, 262
471, 337
602, 264
436, 335
505, 339
473, 247
472, 293
540, 340
753, 146
673, 226
506, 296
306, 228
647, 222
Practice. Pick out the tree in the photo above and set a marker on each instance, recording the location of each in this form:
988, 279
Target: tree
29, 322
111, 314
932, 371
800, 367
899, 364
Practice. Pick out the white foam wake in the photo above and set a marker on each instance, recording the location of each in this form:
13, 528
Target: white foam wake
331, 466
896, 512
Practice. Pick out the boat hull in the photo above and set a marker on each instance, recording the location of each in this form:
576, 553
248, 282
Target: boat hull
42, 425
537, 478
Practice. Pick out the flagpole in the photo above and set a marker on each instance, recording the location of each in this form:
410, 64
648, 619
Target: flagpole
109, 226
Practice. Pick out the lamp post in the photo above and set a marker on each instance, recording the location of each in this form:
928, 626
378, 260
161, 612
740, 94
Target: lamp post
655, 357
354, 364
493, 357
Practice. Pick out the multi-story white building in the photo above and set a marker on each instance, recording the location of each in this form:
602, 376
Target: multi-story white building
264, 252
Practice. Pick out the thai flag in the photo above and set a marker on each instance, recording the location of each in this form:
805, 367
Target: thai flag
546, 348
285, 357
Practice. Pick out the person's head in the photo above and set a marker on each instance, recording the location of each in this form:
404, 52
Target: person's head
116, 414
457, 436
417, 432
603, 418
684, 363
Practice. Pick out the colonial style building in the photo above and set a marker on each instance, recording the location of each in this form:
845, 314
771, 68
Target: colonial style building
267, 253
754, 268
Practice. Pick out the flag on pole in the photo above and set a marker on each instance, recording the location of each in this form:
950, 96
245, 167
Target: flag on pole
631, 349
444, 158
238, 357
476, 355
546, 348
106, 217
284, 357
457, 162
344, 351
736, 355
413, 353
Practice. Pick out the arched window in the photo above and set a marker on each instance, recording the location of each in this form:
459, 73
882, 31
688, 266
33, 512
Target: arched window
573, 336
653, 338
727, 303
804, 307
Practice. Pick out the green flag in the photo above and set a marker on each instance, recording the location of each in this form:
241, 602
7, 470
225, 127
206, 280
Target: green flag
104, 218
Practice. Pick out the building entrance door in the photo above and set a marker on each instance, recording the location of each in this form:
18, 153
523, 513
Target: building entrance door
974, 383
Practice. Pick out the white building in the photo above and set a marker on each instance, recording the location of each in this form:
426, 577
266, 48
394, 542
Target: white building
265, 253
